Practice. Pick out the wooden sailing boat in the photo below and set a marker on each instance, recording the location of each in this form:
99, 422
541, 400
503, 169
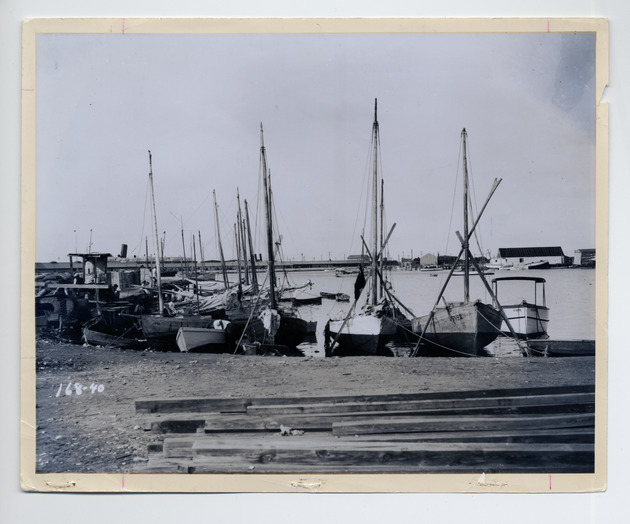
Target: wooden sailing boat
282, 326
460, 328
160, 330
368, 330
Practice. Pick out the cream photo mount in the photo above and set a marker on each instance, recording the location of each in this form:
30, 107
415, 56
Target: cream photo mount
478, 482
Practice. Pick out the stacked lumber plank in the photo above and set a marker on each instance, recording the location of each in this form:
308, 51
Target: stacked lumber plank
549, 429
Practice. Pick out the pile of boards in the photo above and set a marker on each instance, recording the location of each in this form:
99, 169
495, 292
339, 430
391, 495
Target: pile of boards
550, 429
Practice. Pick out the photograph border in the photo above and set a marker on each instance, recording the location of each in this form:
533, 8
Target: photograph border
325, 483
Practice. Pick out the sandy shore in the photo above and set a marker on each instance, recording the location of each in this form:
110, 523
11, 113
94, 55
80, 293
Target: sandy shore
99, 431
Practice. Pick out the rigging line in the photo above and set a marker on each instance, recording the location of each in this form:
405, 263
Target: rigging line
472, 202
198, 207
450, 224
360, 200
144, 218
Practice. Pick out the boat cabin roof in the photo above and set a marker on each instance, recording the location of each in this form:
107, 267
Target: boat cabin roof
538, 280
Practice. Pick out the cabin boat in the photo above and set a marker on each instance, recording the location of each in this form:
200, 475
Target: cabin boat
529, 320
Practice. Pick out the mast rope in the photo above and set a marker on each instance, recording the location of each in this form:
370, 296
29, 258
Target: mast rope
450, 224
144, 219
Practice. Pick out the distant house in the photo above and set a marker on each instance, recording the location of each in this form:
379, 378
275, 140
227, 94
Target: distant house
429, 260
584, 257
523, 256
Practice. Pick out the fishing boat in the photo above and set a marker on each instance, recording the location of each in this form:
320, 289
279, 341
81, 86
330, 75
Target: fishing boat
529, 320
367, 330
96, 333
160, 329
346, 271
540, 264
303, 298
213, 340
459, 328
282, 325
342, 297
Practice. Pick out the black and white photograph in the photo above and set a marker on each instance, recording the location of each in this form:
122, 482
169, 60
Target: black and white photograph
274, 247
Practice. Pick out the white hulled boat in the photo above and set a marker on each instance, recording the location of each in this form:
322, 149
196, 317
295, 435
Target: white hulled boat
367, 330
528, 319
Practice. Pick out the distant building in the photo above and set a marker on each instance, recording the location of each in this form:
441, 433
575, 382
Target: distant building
94, 267
525, 256
359, 259
584, 257
429, 260
410, 263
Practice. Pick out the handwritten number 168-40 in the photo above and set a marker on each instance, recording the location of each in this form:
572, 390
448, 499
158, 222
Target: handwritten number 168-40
80, 389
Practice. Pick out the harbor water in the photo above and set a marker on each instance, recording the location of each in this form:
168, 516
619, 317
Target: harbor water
570, 297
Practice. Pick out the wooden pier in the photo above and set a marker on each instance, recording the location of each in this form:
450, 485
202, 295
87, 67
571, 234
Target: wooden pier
549, 429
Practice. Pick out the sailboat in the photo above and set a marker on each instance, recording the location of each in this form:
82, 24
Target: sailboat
460, 328
282, 326
368, 330
261, 319
161, 330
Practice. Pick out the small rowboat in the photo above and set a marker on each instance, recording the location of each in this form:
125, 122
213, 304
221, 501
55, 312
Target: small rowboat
202, 339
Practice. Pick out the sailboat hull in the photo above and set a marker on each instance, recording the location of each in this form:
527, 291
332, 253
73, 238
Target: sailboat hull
460, 329
292, 331
363, 334
161, 332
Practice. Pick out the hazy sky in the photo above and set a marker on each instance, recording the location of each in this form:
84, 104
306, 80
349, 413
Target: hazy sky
196, 101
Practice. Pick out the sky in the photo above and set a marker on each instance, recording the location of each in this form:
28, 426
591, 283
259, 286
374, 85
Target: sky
197, 102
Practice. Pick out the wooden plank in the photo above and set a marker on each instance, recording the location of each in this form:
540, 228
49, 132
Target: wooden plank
419, 454
201, 465
190, 405
471, 423
182, 446
177, 422
205, 404
442, 421
429, 405
584, 435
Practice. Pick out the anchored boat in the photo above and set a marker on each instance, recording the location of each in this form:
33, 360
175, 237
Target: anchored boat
460, 328
368, 330
529, 320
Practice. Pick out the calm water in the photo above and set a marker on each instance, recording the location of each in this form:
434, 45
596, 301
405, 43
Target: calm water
570, 297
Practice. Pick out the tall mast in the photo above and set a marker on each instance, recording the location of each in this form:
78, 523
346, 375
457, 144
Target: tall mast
216, 214
466, 252
203, 266
243, 232
238, 253
252, 255
157, 240
381, 232
162, 242
184, 247
267, 190
375, 207
241, 237
197, 291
